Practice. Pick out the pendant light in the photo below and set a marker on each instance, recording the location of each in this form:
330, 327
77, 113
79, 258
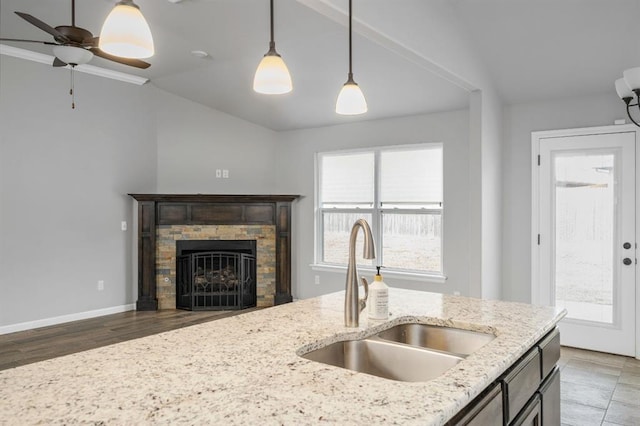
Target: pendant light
272, 75
627, 87
125, 32
351, 100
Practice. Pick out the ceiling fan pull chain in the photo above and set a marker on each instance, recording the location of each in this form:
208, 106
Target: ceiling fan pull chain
73, 96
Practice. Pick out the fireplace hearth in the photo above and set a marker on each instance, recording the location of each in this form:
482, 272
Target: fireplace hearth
215, 275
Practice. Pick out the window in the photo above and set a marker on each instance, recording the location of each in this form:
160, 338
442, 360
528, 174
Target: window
398, 190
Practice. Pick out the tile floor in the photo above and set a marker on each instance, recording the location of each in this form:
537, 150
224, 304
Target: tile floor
599, 389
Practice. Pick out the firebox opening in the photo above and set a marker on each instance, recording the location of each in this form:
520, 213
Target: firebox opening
215, 274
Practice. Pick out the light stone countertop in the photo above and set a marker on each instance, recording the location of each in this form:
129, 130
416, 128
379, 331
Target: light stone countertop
245, 369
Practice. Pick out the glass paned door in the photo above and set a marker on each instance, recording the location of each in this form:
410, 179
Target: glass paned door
585, 189
587, 249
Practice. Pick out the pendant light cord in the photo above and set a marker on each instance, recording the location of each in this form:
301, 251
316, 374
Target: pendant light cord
272, 43
73, 13
350, 59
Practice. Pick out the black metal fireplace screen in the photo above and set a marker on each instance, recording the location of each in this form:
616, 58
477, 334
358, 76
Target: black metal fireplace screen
215, 280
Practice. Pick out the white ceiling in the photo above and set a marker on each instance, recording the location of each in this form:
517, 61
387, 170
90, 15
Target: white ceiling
551, 49
533, 49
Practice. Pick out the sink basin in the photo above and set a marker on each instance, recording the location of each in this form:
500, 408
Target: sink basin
385, 359
452, 340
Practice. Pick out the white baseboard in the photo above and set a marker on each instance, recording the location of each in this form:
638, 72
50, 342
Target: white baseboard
12, 328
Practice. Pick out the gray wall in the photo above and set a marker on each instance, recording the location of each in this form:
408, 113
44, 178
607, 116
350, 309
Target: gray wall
519, 122
64, 176
491, 242
194, 141
296, 175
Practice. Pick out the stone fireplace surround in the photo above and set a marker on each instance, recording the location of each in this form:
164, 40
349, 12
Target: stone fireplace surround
164, 218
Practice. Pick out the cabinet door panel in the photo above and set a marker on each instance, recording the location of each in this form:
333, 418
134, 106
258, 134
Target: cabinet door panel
550, 352
521, 383
485, 412
530, 415
550, 397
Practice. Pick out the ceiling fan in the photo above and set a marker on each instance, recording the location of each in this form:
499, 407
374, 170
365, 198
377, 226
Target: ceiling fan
73, 45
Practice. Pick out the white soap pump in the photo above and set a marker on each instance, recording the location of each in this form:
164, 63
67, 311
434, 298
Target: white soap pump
378, 298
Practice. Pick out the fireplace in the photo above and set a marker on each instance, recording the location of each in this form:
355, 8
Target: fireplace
215, 274
164, 220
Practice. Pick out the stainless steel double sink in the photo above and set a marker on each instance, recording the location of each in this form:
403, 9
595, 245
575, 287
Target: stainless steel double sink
410, 352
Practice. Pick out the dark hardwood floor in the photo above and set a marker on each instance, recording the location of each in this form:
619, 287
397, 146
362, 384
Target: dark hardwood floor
26, 347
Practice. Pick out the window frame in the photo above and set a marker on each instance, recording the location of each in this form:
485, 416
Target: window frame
377, 211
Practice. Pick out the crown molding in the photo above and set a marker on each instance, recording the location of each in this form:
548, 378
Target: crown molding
29, 55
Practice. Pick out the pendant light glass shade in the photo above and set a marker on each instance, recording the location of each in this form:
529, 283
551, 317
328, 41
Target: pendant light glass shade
125, 32
632, 77
351, 100
622, 88
628, 89
272, 75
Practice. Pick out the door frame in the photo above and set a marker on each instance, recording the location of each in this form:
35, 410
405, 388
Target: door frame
535, 207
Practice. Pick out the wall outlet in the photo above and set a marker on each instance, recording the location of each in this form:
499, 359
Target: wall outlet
123, 225
225, 174
456, 293
317, 279
218, 173
100, 285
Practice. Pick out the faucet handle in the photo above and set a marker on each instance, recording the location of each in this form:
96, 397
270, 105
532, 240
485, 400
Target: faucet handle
363, 302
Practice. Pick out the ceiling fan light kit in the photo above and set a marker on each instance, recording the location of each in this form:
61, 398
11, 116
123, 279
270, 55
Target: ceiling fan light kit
351, 100
272, 75
627, 87
125, 32
72, 55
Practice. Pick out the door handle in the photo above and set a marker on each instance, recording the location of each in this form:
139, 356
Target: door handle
627, 261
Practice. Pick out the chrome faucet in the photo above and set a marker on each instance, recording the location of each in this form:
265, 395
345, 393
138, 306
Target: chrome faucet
352, 304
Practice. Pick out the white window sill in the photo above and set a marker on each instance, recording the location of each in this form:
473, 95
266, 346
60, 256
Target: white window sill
412, 276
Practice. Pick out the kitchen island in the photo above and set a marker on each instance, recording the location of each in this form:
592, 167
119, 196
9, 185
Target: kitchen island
247, 369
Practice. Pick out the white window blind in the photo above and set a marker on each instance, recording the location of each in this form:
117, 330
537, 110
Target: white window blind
398, 190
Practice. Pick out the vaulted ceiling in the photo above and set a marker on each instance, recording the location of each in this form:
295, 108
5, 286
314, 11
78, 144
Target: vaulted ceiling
532, 49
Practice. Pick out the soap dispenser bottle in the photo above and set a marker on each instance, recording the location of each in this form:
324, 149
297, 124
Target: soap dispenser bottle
378, 298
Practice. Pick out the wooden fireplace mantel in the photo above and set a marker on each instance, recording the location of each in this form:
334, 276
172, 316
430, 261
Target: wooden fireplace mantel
210, 209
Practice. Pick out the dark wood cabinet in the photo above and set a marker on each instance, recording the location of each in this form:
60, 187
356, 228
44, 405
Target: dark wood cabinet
520, 384
531, 414
527, 394
487, 411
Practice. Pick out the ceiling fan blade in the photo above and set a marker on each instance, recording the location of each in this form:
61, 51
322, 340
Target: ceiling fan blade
91, 42
57, 35
58, 63
28, 41
125, 61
